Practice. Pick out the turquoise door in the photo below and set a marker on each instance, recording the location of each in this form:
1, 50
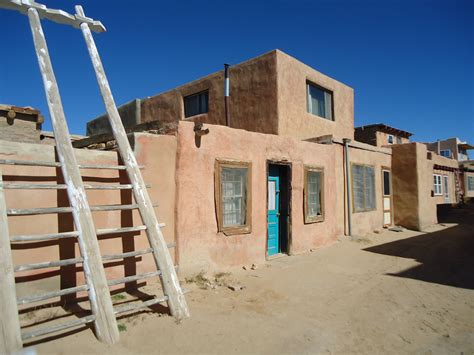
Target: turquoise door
273, 215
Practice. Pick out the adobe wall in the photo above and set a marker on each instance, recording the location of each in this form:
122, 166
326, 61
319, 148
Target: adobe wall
367, 222
201, 246
382, 139
294, 119
156, 152
451, 163
253, 97
413, 169
19, 131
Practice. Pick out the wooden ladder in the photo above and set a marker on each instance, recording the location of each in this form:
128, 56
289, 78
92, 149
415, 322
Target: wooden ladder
97, 286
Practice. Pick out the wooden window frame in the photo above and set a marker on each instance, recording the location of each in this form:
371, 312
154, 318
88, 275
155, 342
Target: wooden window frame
440, 185
311, 83
191, 95
225, 163
313, 219
352, 190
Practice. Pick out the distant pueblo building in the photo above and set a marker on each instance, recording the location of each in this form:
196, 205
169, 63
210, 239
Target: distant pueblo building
257, 160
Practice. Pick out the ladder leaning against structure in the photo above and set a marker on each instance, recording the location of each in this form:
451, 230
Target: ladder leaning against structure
103, 312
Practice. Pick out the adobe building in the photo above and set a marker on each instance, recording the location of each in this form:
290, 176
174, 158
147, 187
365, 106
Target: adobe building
381, 135
286, 177
452, 148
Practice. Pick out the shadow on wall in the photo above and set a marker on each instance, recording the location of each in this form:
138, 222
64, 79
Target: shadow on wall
445, 256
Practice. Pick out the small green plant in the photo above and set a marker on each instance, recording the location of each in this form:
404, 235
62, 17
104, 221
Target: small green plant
122, 327
118, 297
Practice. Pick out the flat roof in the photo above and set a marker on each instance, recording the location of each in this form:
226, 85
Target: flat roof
387, 129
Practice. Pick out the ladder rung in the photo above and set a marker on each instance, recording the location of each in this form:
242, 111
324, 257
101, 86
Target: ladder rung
47, 264
54, 164
43, 237
120, 230
57, 327
50, 210
128, 254
48, 295
138, 305
13, 186
133, 278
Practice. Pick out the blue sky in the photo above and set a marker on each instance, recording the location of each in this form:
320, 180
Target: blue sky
410, 62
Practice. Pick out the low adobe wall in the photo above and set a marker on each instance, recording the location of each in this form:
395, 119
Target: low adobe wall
157, 153
201, 246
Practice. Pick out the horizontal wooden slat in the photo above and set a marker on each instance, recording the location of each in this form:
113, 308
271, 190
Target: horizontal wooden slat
47, 264
51, 210
57, 327
15, 186
127, 255
138, 305
53, 164
120, 230
48, 295
126, 279
43, 237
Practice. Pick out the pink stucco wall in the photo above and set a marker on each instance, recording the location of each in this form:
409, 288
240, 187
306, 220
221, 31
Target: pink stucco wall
201, 245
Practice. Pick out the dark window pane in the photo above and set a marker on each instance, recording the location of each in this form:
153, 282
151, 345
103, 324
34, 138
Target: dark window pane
386, 183
196, 104
319, 102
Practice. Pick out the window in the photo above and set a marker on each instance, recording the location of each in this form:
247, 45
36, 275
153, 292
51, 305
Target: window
196, 104
445, 153
470, 183
438, 190
399, 140
390, 139
233, 198
313, 194
319, 101
363, 187
386, 183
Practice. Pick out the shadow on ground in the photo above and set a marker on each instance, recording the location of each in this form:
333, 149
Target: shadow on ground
446, 256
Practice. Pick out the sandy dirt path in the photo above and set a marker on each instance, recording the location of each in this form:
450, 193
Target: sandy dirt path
386, 293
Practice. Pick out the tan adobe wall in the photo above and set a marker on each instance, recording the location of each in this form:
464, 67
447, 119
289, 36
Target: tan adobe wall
294, 120
415, 205
19, 131
200, 245
440, 160
366, 222
156, 152
253, 100
382, 139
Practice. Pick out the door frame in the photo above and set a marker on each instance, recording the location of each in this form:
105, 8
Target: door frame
288, 166
385, 168
446, 194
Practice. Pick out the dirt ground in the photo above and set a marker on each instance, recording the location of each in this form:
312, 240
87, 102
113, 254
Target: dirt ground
392, 292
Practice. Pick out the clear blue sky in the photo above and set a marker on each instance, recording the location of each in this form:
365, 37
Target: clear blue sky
410, 62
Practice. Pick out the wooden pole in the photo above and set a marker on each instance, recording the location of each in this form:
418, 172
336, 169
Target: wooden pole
171, 287
99, 295
10, 331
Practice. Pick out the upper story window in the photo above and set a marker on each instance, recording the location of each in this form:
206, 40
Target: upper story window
196, 104
399, 140
390, 139
446, 153
319, 101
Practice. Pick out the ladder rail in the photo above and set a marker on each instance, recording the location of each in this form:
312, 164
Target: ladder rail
164, 263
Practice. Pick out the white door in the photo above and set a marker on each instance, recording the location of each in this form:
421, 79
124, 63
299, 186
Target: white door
387, 197
446, 188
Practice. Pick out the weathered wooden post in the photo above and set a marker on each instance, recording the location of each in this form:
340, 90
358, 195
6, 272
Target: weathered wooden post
171, 287
10, 331
99, 295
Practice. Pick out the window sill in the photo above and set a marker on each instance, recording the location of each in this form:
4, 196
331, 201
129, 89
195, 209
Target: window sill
362, 211
236, 230
198, 117
311, 220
